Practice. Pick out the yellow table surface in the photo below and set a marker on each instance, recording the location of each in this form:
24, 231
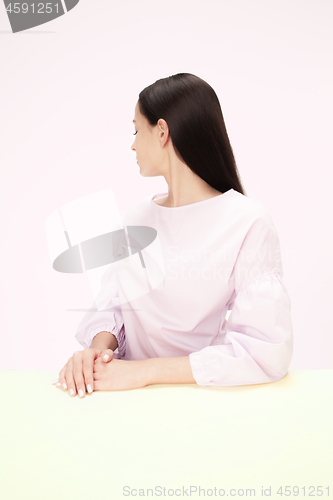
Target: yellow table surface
126, 444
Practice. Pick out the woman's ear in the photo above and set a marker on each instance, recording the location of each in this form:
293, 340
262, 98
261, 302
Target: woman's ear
163, 132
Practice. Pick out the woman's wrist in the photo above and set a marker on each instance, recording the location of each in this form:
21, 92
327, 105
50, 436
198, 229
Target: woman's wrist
104, 340
173, 370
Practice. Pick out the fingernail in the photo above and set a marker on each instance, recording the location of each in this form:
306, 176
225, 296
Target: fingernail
89, 388
64, 385
80, 393
71, 392
106, 357
55, 381
58, 384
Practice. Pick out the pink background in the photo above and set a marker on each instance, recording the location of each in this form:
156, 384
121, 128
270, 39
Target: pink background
68, 92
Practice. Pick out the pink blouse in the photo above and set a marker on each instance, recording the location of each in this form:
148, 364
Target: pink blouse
211, 289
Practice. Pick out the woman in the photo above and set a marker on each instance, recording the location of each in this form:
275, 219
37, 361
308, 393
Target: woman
221, 253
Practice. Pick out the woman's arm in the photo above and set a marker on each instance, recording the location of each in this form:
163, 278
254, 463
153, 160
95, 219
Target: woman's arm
120, 375
104, 340
168, 370
107, 317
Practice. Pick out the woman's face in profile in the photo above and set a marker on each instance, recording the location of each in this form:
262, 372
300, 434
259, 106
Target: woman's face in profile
146, 145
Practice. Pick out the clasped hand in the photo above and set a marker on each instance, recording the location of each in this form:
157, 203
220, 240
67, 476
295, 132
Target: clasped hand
96, 370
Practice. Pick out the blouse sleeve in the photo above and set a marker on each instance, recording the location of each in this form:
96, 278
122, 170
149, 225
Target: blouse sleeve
108, 317
256, 343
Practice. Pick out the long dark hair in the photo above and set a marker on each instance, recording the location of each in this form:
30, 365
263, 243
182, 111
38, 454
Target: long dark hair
193, 113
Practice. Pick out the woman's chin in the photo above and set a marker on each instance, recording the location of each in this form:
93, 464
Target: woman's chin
147, 172
142, 171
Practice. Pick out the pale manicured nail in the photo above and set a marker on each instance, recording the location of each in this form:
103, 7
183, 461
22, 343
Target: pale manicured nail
89, 388
106, 357
58, 384
80, 393
55, 381
64, 385
71, 392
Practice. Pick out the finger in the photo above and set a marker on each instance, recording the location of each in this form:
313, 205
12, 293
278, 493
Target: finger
78, 374
97, 385
98, 366
98, 382
62, 378
107, 355
88, 368
70, 379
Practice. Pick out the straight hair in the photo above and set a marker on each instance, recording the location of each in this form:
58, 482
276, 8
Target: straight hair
198, 133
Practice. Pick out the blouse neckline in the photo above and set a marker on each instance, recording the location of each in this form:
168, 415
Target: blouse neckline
197, 203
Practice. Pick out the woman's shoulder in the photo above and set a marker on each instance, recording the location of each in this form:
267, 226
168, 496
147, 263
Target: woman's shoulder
244, 207
232, 206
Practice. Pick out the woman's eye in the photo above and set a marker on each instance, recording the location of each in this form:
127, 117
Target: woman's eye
135, 132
